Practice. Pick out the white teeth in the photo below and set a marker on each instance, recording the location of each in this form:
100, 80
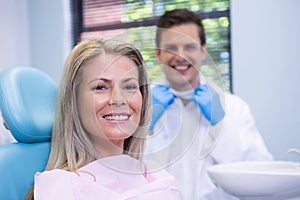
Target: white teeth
116, 117
181, 67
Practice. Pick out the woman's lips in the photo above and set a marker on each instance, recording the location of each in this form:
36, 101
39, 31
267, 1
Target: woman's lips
117, 117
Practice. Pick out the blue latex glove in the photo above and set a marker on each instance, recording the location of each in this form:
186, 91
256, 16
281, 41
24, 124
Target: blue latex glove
161, 99
209, 103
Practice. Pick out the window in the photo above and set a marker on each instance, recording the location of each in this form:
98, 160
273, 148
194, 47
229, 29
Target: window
134, 22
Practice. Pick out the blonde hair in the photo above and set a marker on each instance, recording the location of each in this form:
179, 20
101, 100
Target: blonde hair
71, 147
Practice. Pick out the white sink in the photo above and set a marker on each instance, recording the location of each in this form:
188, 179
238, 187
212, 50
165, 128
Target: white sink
274, 180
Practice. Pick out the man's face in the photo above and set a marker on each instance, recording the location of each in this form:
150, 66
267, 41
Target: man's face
181, 55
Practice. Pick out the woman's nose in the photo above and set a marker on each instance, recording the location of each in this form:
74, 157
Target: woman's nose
117, 97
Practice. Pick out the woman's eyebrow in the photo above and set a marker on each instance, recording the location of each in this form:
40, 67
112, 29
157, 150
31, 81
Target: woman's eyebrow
100, 79
129, 79
109, 80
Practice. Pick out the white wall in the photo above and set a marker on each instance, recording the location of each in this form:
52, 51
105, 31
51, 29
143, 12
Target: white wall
47, 35
266, 68
33, 34
14, 34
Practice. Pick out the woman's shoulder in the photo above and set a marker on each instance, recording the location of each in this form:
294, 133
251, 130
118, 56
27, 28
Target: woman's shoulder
57, 173
54, 183
54, 178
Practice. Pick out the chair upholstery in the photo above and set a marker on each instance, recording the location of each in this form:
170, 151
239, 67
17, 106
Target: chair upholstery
27, 103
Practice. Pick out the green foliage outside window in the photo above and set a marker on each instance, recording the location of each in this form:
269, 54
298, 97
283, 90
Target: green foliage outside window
216, 67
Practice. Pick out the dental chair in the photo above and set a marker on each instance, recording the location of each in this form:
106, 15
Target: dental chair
27, 103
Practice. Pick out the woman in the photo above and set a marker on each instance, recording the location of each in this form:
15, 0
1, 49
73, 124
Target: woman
99, 129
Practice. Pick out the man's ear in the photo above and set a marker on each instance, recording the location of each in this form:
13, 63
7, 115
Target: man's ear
203, 51
157, 54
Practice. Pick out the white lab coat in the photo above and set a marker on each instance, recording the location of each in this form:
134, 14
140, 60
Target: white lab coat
178, 139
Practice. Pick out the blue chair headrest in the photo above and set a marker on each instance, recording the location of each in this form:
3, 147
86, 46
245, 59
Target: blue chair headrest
27, 103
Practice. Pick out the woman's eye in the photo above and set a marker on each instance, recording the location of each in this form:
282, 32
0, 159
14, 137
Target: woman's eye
100, 87
131, 87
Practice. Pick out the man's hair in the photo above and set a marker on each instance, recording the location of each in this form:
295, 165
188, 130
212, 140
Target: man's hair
179, 17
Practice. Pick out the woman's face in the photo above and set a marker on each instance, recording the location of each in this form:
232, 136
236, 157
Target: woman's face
109, 99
